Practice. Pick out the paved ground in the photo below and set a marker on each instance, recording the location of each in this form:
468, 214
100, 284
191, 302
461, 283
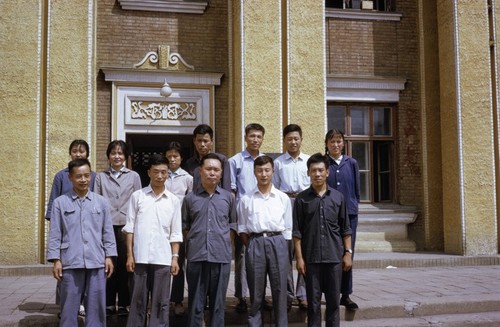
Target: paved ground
394, 296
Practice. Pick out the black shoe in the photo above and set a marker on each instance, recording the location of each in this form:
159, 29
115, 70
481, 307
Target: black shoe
242, 306
122, 311
303, 305
348, 303
268, 306
110, 311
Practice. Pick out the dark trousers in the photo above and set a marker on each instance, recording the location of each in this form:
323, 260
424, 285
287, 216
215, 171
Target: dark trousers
346, 287
119, 282
178, 281
267, 256
207, 278
240, 275
323, 278
154, 279
74, 284
293, 291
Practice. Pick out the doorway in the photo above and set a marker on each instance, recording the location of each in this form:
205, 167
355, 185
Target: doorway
143, 146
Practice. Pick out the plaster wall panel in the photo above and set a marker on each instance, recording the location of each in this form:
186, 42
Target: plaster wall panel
469, 195
262, 74
306, 72
19, 159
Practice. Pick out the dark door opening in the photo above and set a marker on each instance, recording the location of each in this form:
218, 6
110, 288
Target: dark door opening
142, 146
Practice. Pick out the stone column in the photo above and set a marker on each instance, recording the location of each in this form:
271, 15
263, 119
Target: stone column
48, 91
279, 72
469, 204
306, 72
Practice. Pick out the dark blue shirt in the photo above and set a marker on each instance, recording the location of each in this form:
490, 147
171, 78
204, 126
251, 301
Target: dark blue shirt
208, 220
321, 223
344, 177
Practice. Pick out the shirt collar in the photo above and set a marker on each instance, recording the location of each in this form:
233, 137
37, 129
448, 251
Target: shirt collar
289, 157
273, 191
148, 189
75, 196
247, 154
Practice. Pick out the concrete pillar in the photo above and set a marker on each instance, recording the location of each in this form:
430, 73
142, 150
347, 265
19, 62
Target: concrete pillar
306, 72
48, 91
279, 72
469, 204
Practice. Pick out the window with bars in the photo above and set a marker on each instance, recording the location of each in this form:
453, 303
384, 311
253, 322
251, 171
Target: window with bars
369, 134
379, 5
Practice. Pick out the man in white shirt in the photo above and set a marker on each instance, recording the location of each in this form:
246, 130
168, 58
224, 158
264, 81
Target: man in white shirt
265, 225
154, 231
290, 176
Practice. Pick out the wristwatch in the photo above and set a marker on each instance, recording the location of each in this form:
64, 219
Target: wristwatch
348, 250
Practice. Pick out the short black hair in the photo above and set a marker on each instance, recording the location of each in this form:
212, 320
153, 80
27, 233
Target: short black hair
174, 145
211, 155
292, 128
78, 143
255, 126
318, 158
203, 129
262, 160
117, 144
330, 134
157, 159
78, 163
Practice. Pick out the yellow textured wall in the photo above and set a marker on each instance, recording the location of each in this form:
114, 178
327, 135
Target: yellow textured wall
466, 116
261, 79
19, 55
36, 136
307, 72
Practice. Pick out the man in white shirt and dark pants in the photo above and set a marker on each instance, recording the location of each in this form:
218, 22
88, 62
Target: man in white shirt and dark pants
264, 224
154, 231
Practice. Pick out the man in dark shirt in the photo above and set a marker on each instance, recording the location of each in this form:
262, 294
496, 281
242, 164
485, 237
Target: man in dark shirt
203, 140
207, 215
322, 238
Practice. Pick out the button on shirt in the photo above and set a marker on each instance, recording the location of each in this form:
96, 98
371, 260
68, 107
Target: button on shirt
242, 177
344, 177
117, 187
259, 213
290, 175
320, 222
155, 221
81, 232
208, 218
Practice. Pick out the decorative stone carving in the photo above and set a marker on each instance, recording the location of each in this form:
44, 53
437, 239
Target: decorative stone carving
162, 111
164, 59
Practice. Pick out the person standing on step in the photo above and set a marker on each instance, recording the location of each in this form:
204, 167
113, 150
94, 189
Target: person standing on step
243, 181
265, 225
153, 231
290, 176
180, 183
344, 177
322, 238
208, 214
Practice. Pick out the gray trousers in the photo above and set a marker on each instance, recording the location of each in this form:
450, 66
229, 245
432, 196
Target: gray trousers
240, 274
154, 279
300, 291
74, 284
207, 278
323, 278
267, 256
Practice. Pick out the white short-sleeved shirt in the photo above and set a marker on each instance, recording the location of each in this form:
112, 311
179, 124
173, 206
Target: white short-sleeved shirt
290, 175
259, 213
155, 221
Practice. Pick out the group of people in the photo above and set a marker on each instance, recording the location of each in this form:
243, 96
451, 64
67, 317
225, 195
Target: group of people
115, 245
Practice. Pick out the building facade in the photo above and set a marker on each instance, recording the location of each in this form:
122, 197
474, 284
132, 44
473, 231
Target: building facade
412, 83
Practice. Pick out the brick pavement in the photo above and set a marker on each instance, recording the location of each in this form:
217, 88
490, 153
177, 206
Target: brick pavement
381, 293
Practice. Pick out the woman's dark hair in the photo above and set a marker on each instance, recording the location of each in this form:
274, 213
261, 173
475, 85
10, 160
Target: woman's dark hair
78, 143
120, 144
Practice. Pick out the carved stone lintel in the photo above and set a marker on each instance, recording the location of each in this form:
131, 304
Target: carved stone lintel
162, 111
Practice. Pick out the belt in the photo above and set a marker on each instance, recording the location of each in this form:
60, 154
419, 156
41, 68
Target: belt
265, 234
292, 195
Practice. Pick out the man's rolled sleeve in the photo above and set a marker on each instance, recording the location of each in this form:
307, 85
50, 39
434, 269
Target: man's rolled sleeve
176, 225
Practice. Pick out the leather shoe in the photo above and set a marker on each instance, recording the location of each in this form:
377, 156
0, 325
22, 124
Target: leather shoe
302, 304
242, 306
348, 303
